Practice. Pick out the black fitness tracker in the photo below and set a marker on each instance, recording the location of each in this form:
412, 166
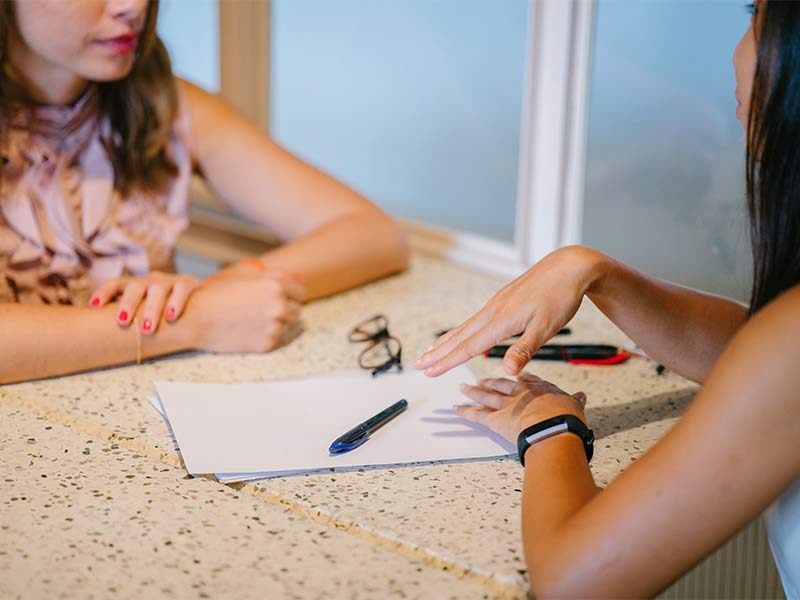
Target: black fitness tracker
550, 427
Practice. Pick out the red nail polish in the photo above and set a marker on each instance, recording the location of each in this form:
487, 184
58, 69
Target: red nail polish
123, 316
95, 301
171, 313
147, 325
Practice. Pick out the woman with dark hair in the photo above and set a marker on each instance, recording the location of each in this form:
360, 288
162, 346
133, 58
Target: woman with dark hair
98, 142
734, 455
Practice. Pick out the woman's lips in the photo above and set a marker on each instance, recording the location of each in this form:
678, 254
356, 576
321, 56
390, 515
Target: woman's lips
122, 44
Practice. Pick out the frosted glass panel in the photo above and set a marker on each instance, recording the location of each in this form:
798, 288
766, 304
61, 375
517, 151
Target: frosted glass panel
190, 31
416, 103
665, 172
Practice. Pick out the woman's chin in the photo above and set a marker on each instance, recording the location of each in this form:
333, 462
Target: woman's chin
109, 70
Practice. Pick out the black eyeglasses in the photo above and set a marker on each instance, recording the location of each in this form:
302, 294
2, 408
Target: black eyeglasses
383, 352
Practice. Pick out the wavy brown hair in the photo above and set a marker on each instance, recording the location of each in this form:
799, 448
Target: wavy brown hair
140, 108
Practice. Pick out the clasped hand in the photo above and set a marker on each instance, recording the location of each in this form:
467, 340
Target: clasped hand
236, 310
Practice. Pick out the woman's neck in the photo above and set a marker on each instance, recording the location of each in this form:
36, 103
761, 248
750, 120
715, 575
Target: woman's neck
44, 82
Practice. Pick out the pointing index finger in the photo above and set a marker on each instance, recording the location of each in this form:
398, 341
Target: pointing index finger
443, 346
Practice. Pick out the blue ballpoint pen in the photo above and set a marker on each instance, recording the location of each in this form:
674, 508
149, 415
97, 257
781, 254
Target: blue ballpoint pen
362, 432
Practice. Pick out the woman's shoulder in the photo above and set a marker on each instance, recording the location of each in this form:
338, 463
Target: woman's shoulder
188, 94
771, 337
209, 116
780, 318
201, 107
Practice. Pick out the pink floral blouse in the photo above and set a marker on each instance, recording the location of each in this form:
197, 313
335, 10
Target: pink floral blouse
63, 228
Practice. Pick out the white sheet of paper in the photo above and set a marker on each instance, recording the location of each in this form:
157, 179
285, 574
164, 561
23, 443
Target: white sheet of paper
155, 402
250, 430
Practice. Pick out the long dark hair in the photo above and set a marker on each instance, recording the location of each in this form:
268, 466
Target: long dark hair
773, 153
141, 108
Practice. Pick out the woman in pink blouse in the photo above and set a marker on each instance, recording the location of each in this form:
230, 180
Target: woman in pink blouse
99, 141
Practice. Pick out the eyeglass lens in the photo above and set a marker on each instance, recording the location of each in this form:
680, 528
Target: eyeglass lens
379, 353
370, 329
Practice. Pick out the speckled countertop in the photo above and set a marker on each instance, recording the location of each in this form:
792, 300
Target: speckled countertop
94, 502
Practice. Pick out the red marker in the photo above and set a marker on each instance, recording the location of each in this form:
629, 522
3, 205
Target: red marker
577, 354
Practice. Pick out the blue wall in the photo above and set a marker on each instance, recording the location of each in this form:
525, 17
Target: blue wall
190, 30
416, 103
665, 178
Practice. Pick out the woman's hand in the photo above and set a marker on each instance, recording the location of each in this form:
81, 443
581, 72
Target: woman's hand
245, 312
508, 407
536, 304
151, 294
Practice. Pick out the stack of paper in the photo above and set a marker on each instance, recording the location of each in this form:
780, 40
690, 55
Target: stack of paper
249, 431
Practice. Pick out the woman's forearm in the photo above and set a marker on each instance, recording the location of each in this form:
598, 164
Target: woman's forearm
557, 485
663, 514
345, 253
680, 328
332, 235
44, 341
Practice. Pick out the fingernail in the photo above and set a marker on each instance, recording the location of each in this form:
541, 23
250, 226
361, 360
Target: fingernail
122, 317
95, 301
170, 313
147, 325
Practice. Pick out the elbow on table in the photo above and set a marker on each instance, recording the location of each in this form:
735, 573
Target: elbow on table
392, 239
17, 373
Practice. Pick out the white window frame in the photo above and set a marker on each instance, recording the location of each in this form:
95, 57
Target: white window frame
554, 130
553, 134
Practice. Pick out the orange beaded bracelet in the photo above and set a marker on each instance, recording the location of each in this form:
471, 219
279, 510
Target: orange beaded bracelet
255, 263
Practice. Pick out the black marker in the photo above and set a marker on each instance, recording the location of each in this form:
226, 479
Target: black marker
579, 354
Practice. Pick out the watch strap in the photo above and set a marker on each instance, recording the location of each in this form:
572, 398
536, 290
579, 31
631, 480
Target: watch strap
552, 427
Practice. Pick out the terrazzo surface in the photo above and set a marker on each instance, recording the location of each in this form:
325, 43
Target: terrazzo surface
85, 518
457, 522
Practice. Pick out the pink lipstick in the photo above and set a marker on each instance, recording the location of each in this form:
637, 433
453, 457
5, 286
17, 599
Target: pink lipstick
122, 44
